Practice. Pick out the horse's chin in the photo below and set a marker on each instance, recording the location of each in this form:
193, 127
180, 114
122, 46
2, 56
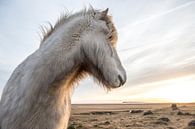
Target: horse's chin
109, 86
114, 87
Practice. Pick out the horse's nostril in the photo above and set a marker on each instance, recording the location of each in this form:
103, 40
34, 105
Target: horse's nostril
121, 80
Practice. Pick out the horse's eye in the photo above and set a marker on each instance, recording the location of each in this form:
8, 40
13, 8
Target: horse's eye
110, 37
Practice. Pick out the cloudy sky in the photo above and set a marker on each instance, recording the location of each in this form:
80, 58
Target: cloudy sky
156, 45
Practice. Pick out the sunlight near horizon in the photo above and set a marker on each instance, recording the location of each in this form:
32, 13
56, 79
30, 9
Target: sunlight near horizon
179, 90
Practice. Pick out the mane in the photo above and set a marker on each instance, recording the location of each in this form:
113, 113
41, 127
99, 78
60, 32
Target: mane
46, 31
66, 16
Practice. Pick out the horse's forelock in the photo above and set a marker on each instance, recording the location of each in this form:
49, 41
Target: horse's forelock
48, 30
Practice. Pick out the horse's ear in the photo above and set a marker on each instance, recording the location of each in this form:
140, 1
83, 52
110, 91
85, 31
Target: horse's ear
104, 13
92, 9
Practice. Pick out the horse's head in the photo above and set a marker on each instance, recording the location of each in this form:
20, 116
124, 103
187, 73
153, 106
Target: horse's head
98, 49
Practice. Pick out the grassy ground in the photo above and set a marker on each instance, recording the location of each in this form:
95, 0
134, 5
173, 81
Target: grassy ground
131, 116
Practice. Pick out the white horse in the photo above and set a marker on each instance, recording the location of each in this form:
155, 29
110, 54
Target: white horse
38, 93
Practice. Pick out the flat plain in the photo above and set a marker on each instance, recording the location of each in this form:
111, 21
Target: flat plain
133, 116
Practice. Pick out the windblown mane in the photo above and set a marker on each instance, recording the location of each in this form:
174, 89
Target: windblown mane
64, 17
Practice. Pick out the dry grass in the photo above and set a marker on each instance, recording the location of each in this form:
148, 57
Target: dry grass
118, 116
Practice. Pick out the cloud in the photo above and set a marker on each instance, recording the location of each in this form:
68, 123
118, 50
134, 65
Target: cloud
156, 39
160, 47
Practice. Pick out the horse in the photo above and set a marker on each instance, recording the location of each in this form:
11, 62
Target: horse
38, 93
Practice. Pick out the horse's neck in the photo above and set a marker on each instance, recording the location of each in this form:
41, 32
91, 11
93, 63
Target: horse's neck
47, 82
44, 78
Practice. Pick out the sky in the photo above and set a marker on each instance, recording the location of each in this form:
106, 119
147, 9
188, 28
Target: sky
156, 46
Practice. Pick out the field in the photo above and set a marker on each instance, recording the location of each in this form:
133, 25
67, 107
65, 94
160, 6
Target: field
132, 116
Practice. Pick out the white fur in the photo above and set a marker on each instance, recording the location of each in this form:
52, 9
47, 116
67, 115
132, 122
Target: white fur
38, 93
